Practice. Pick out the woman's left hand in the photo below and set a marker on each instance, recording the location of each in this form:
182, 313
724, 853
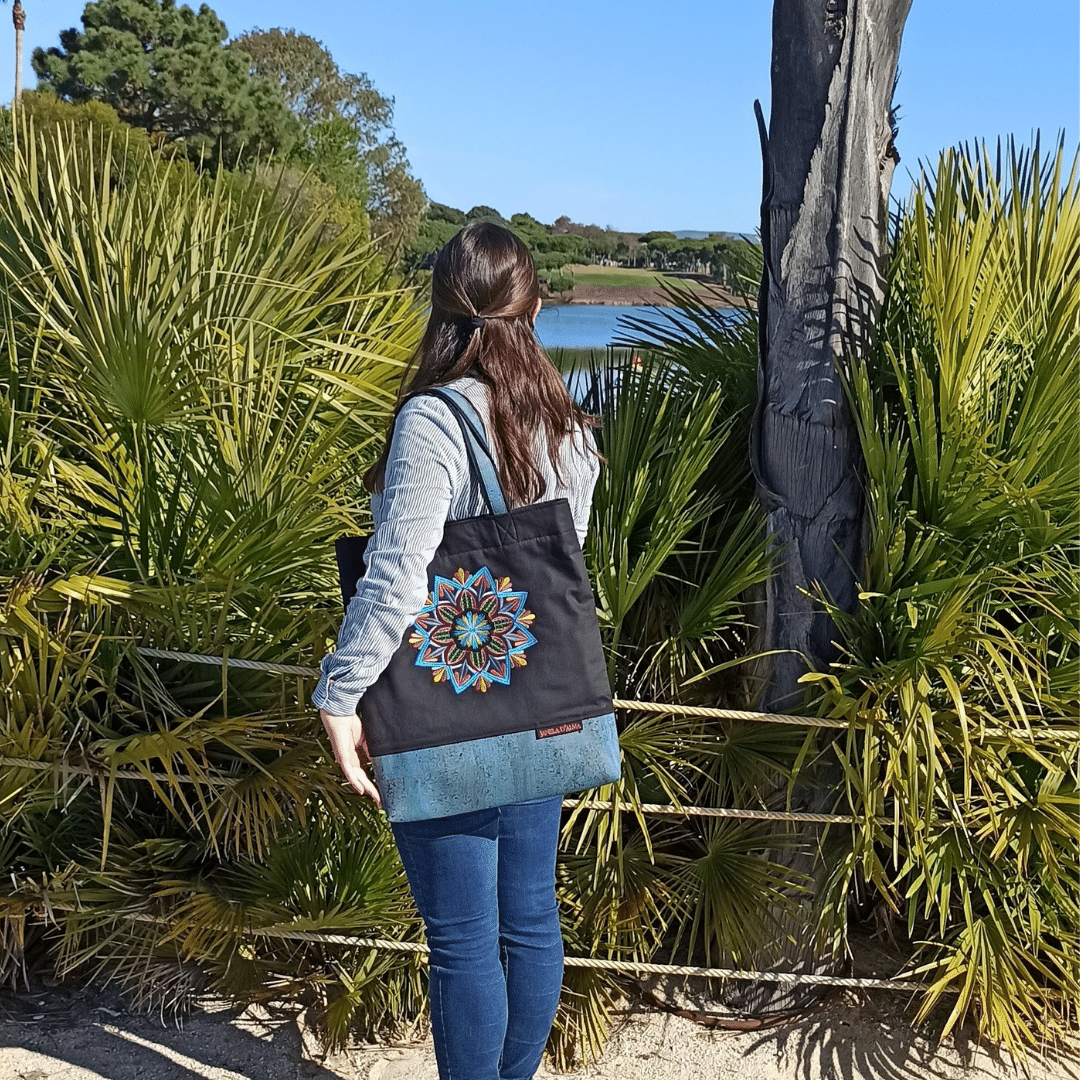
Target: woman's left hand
346, 738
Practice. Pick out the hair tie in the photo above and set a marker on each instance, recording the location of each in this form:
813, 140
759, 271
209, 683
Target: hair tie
476, 322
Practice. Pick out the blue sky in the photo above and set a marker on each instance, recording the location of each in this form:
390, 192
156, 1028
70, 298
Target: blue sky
637, 114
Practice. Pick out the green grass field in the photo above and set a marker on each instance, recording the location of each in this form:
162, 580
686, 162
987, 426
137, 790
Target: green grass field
620, 275
613, 275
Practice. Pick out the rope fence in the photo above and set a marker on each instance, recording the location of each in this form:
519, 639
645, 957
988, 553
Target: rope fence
704, 711
68, 769
591, 804
626, 967
619, 703
904, 983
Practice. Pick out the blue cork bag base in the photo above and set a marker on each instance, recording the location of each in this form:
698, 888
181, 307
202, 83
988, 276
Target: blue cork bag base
438, 781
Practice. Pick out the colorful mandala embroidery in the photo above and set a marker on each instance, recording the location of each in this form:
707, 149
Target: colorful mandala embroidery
473, 631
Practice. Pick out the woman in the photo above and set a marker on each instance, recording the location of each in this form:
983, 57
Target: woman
483, 881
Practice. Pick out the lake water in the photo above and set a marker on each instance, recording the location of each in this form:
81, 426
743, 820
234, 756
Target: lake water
594, 326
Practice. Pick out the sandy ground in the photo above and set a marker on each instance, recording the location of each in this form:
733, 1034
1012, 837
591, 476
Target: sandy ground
59, 1033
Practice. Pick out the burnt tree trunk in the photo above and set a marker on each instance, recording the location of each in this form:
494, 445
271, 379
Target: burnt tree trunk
828, 160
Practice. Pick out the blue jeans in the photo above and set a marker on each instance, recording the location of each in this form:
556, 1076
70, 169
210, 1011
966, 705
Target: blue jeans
484, 883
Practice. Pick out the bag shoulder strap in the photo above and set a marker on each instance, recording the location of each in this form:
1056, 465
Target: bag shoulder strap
481, 462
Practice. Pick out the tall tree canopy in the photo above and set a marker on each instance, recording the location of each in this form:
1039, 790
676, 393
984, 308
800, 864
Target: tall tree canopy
346, 133
166, 69
485, 213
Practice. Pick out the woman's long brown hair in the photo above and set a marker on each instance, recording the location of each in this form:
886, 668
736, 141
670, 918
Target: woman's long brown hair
485, 270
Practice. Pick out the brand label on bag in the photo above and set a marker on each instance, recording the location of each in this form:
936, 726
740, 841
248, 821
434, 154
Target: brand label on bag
558, 729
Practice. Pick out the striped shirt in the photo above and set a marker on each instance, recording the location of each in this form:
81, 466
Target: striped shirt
427, 483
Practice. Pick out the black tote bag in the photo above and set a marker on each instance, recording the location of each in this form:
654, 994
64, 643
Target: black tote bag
498, 692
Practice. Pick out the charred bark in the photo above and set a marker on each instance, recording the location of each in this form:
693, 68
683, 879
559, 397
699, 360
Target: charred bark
828, 160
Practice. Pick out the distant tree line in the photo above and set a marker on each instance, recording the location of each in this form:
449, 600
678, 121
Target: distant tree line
731, 260
552, 246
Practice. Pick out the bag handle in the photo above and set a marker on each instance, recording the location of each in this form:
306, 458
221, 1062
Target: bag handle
481, 463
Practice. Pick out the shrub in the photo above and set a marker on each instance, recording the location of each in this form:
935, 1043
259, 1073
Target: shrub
561, 282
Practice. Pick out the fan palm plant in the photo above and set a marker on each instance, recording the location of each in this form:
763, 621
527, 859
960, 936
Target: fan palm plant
190, 386
961, 666
960, 674
675, 549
